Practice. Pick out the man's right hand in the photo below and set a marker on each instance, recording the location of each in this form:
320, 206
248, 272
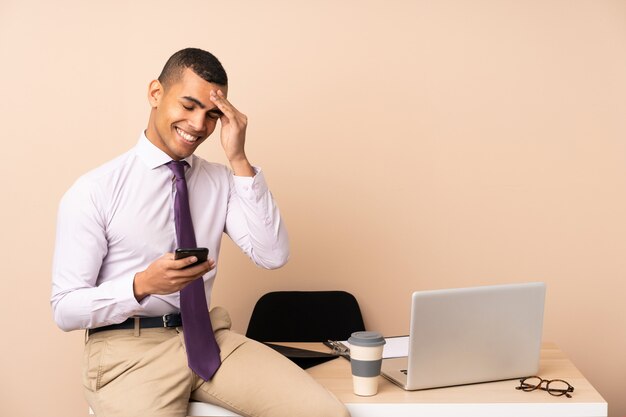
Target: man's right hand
167, 275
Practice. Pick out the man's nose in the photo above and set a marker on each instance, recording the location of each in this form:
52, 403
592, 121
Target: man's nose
197, 121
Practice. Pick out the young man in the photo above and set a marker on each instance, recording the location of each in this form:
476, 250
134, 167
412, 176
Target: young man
115, 273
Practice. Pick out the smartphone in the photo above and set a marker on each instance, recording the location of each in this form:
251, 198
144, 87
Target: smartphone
201, 253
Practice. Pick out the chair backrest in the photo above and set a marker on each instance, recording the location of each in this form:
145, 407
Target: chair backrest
305, 316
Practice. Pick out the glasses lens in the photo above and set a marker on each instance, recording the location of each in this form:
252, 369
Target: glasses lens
530, 383
558, 387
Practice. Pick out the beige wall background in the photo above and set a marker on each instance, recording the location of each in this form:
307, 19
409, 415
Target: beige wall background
410, 144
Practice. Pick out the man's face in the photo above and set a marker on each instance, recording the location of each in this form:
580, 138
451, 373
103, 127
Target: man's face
183, 115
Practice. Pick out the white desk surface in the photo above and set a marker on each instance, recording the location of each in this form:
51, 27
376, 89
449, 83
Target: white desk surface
494, 399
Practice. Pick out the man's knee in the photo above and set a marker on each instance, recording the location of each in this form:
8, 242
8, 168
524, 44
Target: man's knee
337, 410
330, 408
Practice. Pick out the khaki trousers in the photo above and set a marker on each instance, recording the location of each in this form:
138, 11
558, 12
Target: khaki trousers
145, 373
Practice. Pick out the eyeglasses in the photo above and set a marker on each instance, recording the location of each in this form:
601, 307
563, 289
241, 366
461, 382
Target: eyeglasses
556, 387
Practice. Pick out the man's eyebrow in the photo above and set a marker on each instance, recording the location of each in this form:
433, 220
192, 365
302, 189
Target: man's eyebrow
202, 105
195, 100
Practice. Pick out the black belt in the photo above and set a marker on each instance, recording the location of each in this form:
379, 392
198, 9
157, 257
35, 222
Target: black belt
168, 320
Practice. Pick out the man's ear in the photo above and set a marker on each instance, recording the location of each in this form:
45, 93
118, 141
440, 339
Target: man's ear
155, 93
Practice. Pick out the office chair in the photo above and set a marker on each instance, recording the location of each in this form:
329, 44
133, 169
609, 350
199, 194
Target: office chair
305, 316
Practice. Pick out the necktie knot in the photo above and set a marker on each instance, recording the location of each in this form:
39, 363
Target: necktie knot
178, 168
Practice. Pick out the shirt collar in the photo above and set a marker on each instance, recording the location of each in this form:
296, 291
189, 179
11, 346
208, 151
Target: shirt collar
152, 156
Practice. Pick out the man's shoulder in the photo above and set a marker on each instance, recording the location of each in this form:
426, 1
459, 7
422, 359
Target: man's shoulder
104, 174
210, 168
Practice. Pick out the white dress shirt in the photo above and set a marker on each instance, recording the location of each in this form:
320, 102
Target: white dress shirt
117, 219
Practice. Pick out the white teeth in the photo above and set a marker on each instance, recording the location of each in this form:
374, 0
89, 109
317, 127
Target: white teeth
186, 135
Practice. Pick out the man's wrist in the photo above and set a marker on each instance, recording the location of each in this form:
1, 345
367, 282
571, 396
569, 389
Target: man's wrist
242, 168
138, 290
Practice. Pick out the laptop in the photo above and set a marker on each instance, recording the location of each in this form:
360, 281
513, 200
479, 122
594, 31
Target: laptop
471, 335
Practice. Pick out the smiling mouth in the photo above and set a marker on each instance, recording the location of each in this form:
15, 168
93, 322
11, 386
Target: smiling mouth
186, 136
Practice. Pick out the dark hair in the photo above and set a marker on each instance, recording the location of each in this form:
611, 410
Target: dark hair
201, 62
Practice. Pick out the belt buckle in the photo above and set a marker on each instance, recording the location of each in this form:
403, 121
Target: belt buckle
166, 320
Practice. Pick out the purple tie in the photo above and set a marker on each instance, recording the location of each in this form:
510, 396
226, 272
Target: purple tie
203, 353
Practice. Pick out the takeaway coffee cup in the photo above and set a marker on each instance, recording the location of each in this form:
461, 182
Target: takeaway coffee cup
366, 356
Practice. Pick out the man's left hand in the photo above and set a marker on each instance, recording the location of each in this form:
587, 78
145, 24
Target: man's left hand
233, 134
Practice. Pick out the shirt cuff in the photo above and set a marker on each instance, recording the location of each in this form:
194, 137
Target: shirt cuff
251, 188
118, 301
